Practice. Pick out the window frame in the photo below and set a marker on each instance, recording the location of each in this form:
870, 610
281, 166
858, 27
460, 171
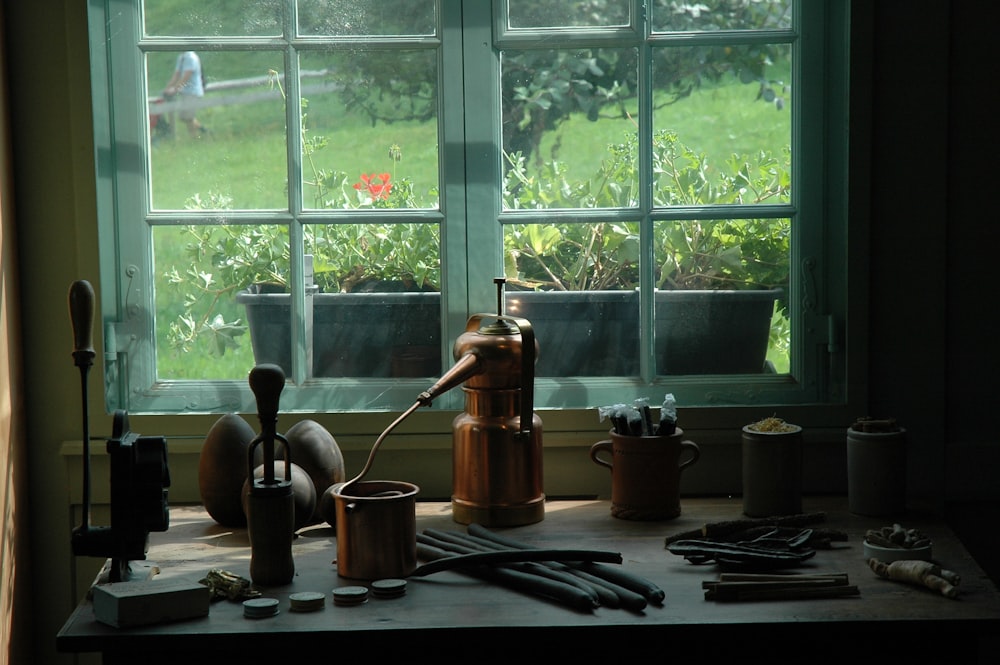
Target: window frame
818, 290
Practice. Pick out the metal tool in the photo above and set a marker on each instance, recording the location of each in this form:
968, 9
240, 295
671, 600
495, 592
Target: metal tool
139, 469
271, 501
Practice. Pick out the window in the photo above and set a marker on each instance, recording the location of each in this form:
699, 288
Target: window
333, 186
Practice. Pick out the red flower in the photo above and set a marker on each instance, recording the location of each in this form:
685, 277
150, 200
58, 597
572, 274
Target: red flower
377, 184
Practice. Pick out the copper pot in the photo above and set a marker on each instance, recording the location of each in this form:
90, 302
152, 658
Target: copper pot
376, 529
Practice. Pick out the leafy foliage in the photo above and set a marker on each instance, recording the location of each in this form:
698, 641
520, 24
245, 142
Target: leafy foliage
691, 254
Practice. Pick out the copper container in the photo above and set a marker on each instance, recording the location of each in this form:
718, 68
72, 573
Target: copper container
376, 529
497, 452
496, 468
497, 441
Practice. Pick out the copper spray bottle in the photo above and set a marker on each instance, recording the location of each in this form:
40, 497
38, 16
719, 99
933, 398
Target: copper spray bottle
497, 440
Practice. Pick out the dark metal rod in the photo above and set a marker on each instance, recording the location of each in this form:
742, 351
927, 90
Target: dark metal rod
472, 559
640, 585
429, 549
606, 594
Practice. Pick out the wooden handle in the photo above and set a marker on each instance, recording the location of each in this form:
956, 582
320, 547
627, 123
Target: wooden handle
81, 313
267, 381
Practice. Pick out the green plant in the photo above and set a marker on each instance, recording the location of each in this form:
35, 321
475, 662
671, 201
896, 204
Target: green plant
692, 254
346, 257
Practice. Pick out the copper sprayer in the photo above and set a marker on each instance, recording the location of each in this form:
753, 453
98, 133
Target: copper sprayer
497, 439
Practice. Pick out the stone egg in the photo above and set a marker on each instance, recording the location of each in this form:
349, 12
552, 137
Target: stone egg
223, 469
302, 489
314, 449
327, 507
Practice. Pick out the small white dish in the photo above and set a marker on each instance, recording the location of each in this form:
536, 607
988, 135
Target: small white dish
890, 554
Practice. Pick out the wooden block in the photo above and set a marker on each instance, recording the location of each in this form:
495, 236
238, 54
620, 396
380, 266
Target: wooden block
125, 604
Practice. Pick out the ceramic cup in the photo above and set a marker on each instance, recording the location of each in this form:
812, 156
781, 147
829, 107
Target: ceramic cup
772, 472
645, 473
876, 472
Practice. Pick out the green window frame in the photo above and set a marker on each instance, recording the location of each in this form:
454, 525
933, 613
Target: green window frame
467, 40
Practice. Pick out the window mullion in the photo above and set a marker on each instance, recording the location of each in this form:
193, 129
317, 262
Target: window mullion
647, 362
301, 306
482, 135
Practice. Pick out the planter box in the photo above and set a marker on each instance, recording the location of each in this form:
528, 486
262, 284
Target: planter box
353, 334
713, 332
595, 333
579, 333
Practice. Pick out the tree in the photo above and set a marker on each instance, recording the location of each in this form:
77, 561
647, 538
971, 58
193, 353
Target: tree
541, 87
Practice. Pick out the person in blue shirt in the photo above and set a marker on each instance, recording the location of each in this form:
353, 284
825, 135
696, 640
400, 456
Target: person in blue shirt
187, 85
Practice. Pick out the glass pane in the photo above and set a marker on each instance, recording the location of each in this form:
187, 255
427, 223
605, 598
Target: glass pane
721, 15
721, 296
581, 333
222, 301
371, 131
723, 131
579, 292
569, 128
225, 148
375, 257
349, 17
200, 270
197, 18
378, 307
567, 13
377, 334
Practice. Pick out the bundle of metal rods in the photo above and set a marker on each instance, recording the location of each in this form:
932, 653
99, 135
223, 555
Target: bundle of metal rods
582, 585
752, 586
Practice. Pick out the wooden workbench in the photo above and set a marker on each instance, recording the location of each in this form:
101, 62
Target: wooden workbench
450, 617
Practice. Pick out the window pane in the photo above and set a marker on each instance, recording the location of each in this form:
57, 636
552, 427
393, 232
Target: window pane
569, 128
375, 257
215, 284
723, 136
238, 18
349, 17
199, 271
721, 15
377, 334
581, 333
585, 311
572, 256
371, 131
225, 148
728, 276
377, 312
566, 13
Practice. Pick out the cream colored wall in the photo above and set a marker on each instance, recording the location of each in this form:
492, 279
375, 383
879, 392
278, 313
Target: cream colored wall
56, 220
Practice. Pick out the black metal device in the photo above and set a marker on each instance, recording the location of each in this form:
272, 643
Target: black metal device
139, 473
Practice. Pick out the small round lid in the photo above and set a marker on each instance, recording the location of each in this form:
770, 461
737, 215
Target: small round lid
350, 595
306, 601
257, 608
388, 588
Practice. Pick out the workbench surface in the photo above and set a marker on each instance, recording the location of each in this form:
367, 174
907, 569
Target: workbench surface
448, 613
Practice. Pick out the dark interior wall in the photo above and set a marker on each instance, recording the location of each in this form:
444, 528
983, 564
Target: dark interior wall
908, 222
970, 244
932, 235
